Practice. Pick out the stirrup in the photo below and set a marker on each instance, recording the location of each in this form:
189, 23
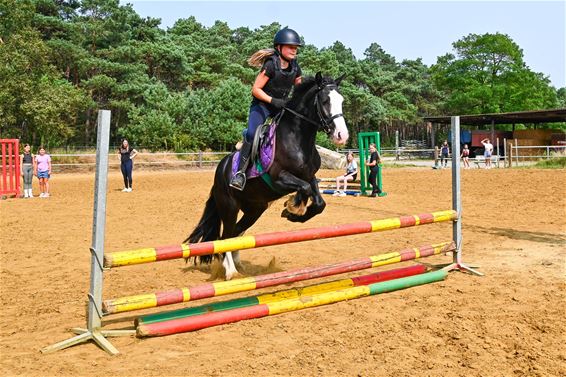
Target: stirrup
238, 181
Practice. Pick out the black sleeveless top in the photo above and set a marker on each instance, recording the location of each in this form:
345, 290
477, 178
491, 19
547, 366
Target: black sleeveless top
281, 81
125, 154
28, 158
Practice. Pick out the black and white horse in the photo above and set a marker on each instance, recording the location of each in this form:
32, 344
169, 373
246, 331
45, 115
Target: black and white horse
316, 105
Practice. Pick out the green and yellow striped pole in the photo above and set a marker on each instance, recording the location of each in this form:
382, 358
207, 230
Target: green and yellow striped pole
202, 321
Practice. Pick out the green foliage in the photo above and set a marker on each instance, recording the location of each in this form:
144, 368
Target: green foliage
488, 75
553, 163
188, 87
188, 121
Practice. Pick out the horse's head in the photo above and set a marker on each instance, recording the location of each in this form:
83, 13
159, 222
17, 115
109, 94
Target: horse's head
329, 109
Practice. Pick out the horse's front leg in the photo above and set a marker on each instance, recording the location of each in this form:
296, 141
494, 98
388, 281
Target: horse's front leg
317, 203
305, 190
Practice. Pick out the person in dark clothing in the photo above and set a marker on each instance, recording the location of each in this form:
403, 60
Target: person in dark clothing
127, 154
444, 153
26, 166
279, 73
374, 161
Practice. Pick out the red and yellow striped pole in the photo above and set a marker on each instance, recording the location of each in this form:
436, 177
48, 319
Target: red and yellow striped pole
202, 321
174, 296
147, 255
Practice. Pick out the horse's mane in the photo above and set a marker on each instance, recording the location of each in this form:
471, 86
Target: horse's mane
306, 84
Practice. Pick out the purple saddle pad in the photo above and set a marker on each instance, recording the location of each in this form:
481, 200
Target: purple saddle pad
265, 156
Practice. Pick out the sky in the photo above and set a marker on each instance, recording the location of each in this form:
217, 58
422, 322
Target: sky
404, 29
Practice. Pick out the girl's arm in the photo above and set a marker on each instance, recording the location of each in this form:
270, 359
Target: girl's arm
257, 88
49, 166
34, 165
22, 164
133, 154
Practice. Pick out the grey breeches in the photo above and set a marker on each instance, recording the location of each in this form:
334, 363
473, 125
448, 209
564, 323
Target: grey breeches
28, 175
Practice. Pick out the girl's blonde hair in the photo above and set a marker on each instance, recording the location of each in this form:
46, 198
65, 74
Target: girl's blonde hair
259, 57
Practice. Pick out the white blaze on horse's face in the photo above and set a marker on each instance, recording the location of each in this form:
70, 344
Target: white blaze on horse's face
340, 134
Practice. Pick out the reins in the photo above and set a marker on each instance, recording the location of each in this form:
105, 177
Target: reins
324, 121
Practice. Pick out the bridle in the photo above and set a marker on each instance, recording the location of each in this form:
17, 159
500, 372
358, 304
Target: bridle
324, 120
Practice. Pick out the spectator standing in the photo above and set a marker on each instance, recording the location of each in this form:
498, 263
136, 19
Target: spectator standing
488, 151
351, 174
127, 154
373, 164
444, 153
436, 156
466, 156
42, 169
26, 166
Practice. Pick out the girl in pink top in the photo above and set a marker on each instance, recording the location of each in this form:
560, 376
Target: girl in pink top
42, 168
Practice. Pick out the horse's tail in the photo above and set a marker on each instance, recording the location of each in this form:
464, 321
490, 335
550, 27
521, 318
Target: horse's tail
208, 228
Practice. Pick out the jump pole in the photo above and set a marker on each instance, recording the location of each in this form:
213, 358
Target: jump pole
147, 255
283, 295
179, 295
333, 186
347, 192
202, 321
326, 180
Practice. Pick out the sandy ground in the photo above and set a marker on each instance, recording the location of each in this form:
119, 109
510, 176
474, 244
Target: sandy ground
508, 323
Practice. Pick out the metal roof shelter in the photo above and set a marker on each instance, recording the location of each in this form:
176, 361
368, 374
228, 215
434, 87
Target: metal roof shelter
537, 116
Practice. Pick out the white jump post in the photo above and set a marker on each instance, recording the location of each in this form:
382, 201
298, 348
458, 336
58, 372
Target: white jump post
457, 263
94, 316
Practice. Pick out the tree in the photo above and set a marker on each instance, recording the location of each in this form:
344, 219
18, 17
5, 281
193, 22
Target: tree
487, 74
36, 102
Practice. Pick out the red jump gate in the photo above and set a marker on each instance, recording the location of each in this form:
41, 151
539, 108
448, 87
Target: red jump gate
10, 168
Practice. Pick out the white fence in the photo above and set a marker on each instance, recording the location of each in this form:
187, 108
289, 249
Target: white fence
522, 154
64, 161
516, 156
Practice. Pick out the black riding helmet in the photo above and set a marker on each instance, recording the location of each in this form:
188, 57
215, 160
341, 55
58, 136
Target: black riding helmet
287, 36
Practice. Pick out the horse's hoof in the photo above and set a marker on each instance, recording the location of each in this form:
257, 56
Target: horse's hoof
295, 218
235, 275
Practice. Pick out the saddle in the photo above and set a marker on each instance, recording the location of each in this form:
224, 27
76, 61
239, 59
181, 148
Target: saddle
263, 150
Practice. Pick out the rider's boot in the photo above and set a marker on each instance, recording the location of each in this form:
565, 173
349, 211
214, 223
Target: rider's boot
238, 181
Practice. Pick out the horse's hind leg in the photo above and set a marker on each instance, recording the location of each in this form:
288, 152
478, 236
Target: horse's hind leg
251, 215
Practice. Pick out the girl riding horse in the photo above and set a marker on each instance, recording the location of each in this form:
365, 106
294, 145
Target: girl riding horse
279, 73
315, 105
